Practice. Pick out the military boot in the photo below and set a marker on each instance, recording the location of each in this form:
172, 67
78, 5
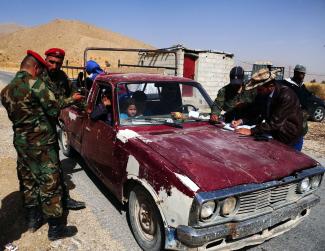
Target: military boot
34, 219
72, 204
58, 230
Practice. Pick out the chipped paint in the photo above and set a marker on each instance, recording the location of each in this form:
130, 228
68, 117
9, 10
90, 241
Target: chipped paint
72, 116
175, 206
187, 182
132, 167
125, 135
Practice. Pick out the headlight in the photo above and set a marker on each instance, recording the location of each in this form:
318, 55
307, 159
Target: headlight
207, 210
229, 206
304, 185
315, 181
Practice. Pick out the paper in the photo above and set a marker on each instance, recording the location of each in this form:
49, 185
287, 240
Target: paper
230, 128
194, 114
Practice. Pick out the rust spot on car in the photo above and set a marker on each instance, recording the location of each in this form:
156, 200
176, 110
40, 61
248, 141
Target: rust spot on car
232, 229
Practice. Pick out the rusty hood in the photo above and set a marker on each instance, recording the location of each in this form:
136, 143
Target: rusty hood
215, 159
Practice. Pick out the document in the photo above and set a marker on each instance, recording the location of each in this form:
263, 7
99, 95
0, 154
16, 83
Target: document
230, 128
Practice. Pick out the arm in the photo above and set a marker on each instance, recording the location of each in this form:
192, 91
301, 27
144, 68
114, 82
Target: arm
99, 111
217, 105
285, 104
51, 106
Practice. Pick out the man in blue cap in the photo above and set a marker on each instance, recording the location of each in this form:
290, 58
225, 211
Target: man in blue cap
232, 97
92, 69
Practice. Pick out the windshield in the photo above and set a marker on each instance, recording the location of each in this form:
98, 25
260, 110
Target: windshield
161, 102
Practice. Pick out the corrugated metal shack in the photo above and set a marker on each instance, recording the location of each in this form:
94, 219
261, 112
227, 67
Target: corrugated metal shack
208, 67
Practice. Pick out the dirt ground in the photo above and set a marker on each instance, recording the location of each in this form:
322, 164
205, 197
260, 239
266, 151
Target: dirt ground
90, 235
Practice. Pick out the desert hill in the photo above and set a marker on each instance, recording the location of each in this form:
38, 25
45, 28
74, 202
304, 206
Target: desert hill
73, 36
8, 28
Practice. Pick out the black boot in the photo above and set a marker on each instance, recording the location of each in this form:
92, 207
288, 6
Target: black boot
58, 230
73, 204
34, 219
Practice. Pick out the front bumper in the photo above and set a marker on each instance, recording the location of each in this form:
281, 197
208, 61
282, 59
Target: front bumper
193, 237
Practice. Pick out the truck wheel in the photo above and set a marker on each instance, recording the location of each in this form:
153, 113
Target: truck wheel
64, 143
318, 114
145, 220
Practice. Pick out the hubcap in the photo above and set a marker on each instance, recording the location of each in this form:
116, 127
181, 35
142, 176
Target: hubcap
64, 140
318, 114
145, 221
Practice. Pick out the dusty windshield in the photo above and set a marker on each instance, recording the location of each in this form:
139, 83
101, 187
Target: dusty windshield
160, 103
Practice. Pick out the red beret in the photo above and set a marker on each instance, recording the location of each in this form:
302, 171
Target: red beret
37, 57
55, 52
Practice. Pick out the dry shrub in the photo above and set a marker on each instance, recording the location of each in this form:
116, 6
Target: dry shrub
317, 88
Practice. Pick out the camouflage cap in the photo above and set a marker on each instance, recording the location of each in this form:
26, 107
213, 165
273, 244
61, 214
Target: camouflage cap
300, 68
261, 77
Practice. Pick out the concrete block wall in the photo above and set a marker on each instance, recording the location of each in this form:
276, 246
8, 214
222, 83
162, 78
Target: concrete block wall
213, 71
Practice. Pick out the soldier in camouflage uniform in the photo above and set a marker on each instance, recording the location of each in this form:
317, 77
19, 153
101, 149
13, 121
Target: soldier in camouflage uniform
232, 97
60, 85
56, 78
33, 110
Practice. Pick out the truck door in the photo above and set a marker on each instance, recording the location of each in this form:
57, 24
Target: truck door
75, 122
99, 143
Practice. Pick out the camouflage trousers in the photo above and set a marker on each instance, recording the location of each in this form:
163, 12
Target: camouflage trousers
38, 171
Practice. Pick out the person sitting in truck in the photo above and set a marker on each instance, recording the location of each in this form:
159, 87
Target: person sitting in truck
103, 110
140, 100
93, 70
129, 109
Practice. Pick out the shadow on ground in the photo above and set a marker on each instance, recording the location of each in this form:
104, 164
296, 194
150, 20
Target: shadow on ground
12, 218
69, 167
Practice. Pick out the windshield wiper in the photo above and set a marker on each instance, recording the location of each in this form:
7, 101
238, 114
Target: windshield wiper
172, 123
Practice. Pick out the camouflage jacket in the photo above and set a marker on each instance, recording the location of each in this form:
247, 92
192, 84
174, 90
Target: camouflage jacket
59, 84
33, 110
222, 104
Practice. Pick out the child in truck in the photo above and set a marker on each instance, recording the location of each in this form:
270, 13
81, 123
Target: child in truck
129, 109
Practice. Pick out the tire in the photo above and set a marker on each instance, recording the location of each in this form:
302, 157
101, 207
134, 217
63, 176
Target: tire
64, 143
318, 114
145, 220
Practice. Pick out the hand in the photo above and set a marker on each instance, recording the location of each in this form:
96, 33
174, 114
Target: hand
106, 101
77, 96
177, 115
244, 131
214, 118
236, 123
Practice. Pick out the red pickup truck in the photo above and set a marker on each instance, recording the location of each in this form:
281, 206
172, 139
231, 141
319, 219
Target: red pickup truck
187, 183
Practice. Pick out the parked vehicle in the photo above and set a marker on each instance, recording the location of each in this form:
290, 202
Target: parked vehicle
316, 108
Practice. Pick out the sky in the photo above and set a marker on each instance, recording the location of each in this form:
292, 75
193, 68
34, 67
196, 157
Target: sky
285, 32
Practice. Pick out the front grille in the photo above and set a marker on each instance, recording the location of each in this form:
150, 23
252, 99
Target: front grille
256, 201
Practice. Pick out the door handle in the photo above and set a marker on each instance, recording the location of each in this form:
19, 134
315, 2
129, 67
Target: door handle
87, 129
